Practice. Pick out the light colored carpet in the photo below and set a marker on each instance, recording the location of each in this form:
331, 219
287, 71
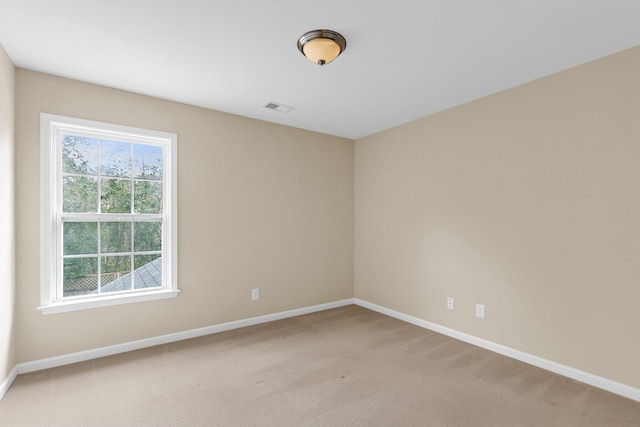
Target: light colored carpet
343, 367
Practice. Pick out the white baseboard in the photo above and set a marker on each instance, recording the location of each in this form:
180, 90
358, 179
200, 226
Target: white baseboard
585, 377
567, 371
4, 386
52, 362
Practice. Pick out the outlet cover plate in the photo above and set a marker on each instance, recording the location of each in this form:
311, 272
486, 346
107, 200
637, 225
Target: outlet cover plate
450, 303
255, 294
480, 311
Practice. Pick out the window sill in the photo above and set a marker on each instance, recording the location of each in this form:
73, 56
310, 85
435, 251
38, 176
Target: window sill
62, 307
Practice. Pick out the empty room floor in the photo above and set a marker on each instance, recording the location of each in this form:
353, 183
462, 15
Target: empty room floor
342, 367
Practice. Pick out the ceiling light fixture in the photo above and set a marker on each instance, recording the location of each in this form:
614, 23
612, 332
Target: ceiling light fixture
321, 46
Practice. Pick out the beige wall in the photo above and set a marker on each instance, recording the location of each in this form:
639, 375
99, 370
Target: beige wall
527, 201
260, 205
7, 225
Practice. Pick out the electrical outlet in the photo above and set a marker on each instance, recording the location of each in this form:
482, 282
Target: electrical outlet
255, 294
480, 311
450, 303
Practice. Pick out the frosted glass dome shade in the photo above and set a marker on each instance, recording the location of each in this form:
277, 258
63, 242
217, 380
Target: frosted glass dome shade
321, 46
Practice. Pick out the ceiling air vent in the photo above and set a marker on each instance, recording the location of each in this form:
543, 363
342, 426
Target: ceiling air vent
277, 107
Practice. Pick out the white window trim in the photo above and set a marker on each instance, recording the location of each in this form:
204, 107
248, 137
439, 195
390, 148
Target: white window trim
49, 239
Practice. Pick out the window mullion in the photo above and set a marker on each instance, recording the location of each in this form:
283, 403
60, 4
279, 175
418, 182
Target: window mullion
99, 266
99, 212
99, 178
133, 266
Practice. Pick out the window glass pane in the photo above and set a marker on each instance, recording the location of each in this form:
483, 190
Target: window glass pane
116, 195
116, 273
148, 271
147, 197
148, 236
115, 237
79, 194
147, 161
79, 155
80, 238
115, 158
80, 276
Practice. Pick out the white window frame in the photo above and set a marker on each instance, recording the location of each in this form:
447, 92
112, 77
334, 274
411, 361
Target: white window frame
51, 208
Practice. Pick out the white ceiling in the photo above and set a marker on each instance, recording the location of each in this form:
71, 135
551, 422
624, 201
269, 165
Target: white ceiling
404, 59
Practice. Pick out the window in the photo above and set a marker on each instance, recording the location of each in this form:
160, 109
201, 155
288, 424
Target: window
108, 214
